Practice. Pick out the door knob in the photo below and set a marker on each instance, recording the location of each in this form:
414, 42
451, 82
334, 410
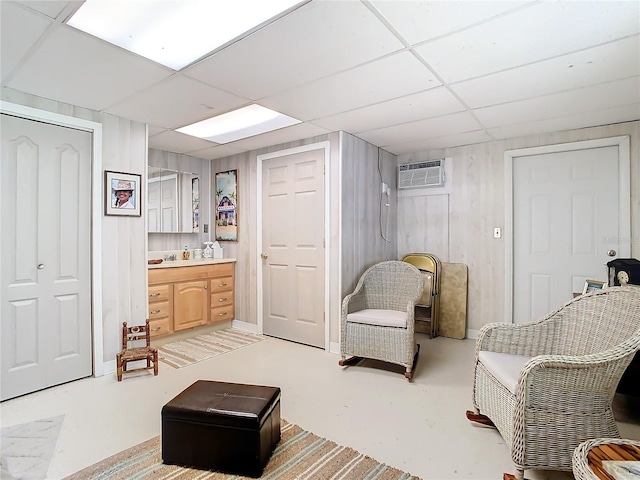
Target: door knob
40, 266
611, 253
264, 256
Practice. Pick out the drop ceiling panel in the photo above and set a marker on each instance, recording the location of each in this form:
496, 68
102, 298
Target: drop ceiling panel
219, 151
50, 8
19, 30
176, 102
412, 132
178, 142
75, 68
432, 103
314, 41
618, 93
612, 61
446, 141
420, 21
374, 82
529, 35
277, 137
624, 113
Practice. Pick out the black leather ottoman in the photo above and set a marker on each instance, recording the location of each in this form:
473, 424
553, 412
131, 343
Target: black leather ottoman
228, 427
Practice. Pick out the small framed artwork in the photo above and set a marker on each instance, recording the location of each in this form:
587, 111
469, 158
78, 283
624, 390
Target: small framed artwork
123, 194
226, 208
593, 285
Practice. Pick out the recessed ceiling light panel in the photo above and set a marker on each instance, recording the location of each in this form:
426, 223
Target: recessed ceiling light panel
238, 124
171, 32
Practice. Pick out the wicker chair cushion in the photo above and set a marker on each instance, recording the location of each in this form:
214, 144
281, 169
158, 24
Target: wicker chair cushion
505, 367
383, 318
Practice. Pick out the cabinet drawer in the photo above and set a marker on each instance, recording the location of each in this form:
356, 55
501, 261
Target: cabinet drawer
221, 299
221, 284
158, 293
220, 314
158, 310
160, 326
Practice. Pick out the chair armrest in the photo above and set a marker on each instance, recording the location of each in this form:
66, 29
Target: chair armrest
354, 302
589, 375
521, 339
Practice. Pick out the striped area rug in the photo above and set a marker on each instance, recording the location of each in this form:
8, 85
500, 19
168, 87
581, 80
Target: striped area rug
192, 350
299, 455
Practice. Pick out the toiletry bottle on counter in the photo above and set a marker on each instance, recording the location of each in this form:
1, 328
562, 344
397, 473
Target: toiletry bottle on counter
185, 254
208, 251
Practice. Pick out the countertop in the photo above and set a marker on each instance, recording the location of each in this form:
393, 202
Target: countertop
190, 263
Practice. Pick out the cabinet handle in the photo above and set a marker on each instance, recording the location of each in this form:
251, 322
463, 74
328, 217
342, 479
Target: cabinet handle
223, 299
222, 285
155, 329
154, 294
154, 311
222, 314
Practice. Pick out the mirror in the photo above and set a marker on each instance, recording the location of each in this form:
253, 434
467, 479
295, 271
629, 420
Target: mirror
173, 201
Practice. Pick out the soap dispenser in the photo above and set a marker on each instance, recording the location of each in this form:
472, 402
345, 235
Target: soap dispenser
185, 254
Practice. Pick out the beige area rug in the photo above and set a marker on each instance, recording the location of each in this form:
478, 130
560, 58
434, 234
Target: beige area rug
193, 350
299, 455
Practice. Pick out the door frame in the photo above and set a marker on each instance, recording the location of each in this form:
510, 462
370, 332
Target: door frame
95, 129
624, 196
325, 145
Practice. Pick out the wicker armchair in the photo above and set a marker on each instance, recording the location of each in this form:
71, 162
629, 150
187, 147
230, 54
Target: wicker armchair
548, 386
378, 317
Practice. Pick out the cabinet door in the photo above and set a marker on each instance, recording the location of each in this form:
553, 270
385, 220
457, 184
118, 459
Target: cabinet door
190, 304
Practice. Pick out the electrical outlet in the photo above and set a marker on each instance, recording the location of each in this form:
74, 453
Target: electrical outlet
206, 228
497, 232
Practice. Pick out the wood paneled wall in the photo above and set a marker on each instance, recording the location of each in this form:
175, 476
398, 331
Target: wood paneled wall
184, 163
124, 262
477, 205
369, 227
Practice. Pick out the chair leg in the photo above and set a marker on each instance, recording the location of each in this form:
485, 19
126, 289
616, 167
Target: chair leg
409, 372
518, 476
479, 418
345, 362
155, 363
119, 365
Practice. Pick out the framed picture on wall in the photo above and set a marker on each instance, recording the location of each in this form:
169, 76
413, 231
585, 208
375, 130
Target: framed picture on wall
123, 194
226, 207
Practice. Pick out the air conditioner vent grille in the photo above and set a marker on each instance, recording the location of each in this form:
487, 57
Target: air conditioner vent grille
421, 174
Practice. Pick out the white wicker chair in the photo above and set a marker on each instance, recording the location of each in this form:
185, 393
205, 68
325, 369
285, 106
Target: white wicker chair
548, 386
378, 317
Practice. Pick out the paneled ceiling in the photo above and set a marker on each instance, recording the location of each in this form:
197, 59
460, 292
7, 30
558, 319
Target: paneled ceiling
403, 75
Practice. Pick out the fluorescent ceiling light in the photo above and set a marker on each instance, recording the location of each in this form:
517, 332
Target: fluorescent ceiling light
174, 33
242, 123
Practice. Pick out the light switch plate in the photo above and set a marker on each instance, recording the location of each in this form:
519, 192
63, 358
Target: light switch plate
497, 232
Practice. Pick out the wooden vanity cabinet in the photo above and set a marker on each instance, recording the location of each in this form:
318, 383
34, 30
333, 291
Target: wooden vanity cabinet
185, 297
190, 304
222, 305
161, 309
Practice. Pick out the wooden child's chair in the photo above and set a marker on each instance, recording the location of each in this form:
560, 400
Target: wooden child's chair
131, 353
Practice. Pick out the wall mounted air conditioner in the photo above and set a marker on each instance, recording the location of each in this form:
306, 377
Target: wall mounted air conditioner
421, 174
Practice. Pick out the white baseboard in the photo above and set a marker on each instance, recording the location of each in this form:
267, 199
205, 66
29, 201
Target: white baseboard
334, 347
247, 327
473, 333
107, 368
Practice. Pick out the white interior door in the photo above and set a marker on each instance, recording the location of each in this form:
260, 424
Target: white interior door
46, 255
567, 220
293, 243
